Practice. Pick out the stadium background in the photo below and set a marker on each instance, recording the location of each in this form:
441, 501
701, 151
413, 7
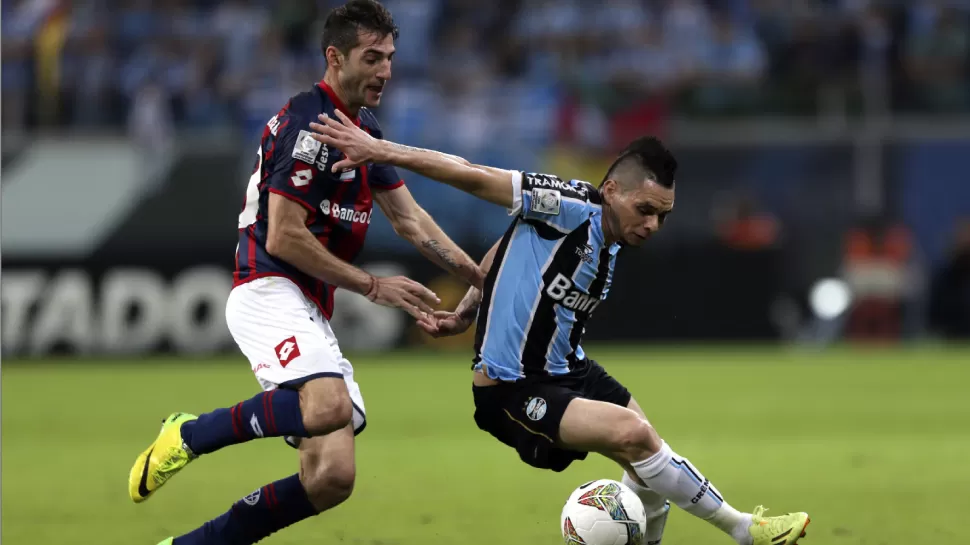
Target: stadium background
819, 140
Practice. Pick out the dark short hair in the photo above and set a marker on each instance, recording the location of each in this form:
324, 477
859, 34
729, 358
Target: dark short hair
645, 157
345, 22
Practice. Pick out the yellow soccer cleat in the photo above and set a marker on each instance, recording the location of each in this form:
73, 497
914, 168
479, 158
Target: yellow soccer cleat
167, 541
161, 460
781, 530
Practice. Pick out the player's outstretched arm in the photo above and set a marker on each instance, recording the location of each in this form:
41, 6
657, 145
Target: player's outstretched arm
458, 321
488, 183
415, 225
288, 239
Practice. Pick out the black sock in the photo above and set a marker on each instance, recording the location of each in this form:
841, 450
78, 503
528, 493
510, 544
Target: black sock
267, 510
275, 413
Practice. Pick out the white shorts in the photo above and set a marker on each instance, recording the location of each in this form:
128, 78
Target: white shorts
287, 340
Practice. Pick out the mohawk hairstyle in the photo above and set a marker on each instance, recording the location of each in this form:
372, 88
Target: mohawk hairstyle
645, 157
344, 22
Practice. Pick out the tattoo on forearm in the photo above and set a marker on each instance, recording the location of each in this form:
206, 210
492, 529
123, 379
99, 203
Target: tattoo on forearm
468, 314
467, 309
441, 252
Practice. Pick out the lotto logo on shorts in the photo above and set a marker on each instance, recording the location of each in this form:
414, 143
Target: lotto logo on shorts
287, 351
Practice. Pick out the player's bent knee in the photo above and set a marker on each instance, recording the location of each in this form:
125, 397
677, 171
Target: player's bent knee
327, 416
637, 440
326, 406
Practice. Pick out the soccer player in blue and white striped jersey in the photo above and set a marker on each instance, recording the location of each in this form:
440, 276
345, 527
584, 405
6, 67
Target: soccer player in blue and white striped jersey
535, 388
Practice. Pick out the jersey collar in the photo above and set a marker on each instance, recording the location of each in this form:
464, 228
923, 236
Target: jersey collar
337, 103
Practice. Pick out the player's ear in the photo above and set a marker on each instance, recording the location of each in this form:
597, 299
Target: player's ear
334, 57
608, 190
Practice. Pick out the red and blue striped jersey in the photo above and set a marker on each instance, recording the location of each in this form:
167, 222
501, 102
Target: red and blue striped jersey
292, 164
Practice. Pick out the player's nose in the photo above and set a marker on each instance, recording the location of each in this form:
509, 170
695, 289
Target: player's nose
385, 71
652, 223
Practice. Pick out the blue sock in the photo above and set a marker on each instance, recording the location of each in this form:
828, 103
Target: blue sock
267, 510
275, 413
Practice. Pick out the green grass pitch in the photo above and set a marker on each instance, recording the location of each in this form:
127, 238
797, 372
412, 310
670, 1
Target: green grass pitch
873, 444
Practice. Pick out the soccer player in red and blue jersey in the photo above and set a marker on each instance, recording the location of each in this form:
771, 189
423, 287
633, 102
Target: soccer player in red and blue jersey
301, 225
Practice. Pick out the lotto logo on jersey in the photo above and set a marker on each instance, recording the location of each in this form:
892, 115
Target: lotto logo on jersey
287, 351
561, 290
301, 178
336, 211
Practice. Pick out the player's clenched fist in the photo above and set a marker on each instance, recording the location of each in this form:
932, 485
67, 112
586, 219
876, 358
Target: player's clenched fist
403, 293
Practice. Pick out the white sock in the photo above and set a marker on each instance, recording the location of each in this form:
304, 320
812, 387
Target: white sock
673, 477
656, 507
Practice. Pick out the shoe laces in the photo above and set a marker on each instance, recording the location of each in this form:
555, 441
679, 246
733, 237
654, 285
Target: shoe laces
759, 512
774, 524
176, 458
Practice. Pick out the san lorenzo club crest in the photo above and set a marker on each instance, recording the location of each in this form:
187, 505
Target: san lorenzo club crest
253, 498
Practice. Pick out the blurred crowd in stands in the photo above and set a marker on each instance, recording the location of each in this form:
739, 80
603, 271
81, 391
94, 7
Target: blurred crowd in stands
503, 81
539, 67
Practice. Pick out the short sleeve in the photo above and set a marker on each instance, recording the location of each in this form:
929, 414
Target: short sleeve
381, 176
551, 200
294, 158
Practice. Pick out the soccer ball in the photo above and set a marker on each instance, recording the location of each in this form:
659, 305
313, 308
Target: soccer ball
603, 512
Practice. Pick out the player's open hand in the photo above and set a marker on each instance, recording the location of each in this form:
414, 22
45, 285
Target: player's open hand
405, 294
357, 146
445, 324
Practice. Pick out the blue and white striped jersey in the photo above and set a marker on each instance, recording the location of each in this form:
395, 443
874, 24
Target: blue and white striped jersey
551, 270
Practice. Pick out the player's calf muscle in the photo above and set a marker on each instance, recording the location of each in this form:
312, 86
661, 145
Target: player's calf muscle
328, 489
328, 472
325, 404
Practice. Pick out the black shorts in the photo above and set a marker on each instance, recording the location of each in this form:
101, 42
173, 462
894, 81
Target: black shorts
525, 414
